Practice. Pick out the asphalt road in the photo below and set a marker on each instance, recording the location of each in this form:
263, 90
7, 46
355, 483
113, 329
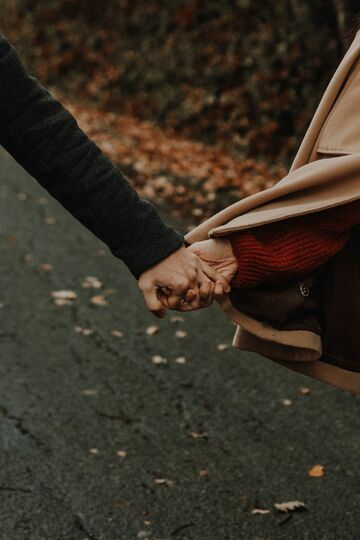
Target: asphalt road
99, 442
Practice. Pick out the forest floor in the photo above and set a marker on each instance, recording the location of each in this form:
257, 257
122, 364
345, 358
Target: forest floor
101, 440
187, 178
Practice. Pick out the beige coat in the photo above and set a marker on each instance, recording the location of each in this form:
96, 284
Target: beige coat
325, 173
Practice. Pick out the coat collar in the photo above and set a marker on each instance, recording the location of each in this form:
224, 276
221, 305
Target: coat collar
307, 148
310, 185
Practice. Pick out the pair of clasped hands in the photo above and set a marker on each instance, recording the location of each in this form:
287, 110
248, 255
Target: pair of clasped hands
190, 278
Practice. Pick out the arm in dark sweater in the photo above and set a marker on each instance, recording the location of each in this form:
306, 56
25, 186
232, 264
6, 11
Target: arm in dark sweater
46, 140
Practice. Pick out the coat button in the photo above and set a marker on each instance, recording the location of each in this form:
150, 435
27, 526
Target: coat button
304, 290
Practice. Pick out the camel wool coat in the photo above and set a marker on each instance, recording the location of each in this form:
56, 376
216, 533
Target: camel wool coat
311, 324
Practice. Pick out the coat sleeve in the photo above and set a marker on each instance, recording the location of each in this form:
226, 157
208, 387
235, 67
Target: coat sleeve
46, 140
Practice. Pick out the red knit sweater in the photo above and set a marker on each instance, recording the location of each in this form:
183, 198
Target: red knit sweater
287, 249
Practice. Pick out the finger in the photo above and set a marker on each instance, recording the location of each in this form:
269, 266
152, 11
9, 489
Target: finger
190, 295
215, 276
173, 301
219, 289
152, 301
206, 289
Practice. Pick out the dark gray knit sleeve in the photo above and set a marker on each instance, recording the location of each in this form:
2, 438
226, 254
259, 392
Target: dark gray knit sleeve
46, 140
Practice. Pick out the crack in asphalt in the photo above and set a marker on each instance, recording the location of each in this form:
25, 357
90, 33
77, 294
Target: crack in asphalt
18, 424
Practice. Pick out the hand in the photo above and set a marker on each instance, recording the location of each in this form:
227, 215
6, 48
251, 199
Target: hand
219, 255
181, 277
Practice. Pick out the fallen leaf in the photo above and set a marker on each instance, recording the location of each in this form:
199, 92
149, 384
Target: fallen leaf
203, 473
157, 359
290, 506
164, 481
152, 330
287, 402
94, 451
260, 511
28, 258
99, 300
180, 360
121, 453
317, 471
63, 298
196, 435
180, 334
45, 267
84, 331
117, 333
49, 220
304, 391
222, 347
90, 392
176, 319
91, 282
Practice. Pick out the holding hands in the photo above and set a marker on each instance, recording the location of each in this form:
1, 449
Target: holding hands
190, 278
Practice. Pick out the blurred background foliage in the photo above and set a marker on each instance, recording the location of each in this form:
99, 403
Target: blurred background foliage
245, 75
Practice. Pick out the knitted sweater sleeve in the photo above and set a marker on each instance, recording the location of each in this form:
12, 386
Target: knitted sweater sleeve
287, 249
46, 140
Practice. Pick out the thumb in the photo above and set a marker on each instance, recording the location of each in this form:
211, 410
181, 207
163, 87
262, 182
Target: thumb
153, 303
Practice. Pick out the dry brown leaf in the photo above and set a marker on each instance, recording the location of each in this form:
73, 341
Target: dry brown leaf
304, 391
45, 267
50, 220
91, 282
28, 258
317, 471
117, 333
63, 298
90, 392
290, 506
164, 481
152, 330
99, 300
203, 473
84, 331
196, 435
176, 319
260, 511
157, 359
